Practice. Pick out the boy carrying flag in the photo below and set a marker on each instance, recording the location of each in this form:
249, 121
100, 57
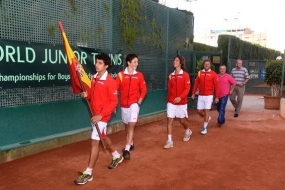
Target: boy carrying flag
103, 101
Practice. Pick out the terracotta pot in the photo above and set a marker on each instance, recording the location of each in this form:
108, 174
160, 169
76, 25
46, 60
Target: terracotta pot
272, 102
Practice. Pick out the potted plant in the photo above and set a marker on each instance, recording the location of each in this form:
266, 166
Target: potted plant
273, 77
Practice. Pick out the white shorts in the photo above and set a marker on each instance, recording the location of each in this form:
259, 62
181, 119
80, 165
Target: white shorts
179, 111
103, 129
130, 114
204, 102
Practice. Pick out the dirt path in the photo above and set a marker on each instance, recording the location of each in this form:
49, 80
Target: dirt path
248, 152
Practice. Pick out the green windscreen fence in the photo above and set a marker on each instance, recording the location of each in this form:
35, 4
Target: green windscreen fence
36, 21
254, 58
256, 70
26, 111
95, 24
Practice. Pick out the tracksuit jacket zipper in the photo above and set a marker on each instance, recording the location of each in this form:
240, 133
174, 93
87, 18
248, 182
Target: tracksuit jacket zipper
129, 90
205, 82
176, 84
95, 81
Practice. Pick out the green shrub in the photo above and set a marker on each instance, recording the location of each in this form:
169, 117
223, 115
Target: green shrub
240, 49
199, 66
273, 75
203, 47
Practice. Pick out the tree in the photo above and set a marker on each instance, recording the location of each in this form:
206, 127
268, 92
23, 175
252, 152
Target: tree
273, 75
155, 0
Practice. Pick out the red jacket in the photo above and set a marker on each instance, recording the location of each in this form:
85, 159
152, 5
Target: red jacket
103, 97
131, 87
207, 81
178, 86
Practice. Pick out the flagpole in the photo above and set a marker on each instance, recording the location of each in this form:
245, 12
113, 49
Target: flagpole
82, 86
92, 114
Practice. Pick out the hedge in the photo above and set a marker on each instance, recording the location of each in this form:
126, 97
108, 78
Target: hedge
244, 50
203, 47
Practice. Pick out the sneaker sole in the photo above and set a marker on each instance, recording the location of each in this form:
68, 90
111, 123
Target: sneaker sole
204, 132
117, 164
187, 139
83, 182
120, 161
168, 147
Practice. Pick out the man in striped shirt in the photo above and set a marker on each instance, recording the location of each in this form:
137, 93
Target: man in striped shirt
241, 76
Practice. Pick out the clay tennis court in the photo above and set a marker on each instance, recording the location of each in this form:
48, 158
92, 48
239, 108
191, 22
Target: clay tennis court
248, 152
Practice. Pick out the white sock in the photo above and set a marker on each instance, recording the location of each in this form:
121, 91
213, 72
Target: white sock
116, 154
170, 138
88, 171
128, 147
206, 123
132, 143
187, 131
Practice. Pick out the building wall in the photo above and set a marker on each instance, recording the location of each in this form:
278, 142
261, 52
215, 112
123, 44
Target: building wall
244, 34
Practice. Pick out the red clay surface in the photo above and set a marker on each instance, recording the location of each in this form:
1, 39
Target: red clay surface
248, 152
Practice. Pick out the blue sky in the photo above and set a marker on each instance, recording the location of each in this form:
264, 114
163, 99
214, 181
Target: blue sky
261, 16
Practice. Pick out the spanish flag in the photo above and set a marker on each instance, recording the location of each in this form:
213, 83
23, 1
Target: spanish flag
79, 79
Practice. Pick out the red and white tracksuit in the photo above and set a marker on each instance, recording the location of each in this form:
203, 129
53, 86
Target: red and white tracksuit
207, 82
178, 86
103, 97
132, 87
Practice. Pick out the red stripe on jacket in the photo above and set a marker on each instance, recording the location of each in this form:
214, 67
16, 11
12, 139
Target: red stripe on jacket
103, 97
131, 87
178, 86
207, 82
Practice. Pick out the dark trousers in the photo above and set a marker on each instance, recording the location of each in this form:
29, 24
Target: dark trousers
221, 107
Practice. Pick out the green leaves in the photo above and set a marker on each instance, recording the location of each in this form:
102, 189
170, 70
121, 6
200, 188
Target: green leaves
202, 47
199, 66
130, 18
137, 27
273, 72
240, 49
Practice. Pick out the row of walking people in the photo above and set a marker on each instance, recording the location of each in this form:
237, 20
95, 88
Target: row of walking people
131, 85
212, 87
